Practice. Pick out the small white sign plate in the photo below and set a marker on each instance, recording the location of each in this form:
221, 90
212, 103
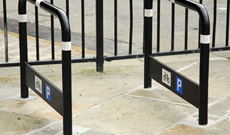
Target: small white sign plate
38, 84
166, 77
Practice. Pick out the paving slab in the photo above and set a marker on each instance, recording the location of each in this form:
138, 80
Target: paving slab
15, 123
130, 115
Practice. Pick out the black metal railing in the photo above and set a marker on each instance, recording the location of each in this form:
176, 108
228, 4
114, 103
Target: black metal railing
158, 44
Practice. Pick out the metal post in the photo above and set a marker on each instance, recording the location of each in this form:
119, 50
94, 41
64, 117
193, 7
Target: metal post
131, 26
204, 67
23, 46
67, 88
99, 36
37, 33
204, 42
147, 40
5, 30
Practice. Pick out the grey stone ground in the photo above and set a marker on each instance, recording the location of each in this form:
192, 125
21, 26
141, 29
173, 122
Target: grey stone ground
114, 102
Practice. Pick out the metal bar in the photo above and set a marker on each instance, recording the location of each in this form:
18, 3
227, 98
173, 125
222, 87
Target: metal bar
158, 24
67, 8
66, 64
115, 27
186, 30
44, 88
52, 35
67, 91
227, 24
23, 46
214, 23
173, 27
37, 33
148, 41
131, 26
99, 36
204, 55
66, 55
5, 31
143, 27
83, 27
175, 81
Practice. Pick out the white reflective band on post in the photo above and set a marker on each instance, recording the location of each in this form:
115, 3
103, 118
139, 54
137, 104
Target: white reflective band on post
205, 39
173, 1
66, 46
22, 18
37, 3
148, 12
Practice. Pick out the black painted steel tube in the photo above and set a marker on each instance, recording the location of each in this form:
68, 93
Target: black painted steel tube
214, 23
186, 30
67, 8
5, 31
52, 35
83, 27
23, 46
99, 36
158, 24
66, 56
131, 26
148, 15
227, 24
115, 27
173, 27
204, 55
37, 33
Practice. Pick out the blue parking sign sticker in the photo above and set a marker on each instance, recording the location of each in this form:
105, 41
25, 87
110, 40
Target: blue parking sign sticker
179, 85
48, 93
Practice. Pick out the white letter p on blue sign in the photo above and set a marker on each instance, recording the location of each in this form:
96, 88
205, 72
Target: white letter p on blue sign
48, 93
179, 85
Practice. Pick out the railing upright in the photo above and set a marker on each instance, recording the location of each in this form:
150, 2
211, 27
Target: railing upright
204, 55
148, 15
66, 56
23, 46
204, 43
5, 31
99, 36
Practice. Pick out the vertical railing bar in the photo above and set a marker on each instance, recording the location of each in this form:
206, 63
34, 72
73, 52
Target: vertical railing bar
52, 35
186, 30
173, 27
158, 24
143, 27
67, 8
83, 27
99, 36
131, 26
37, 33
5, 31
227, 24
148, 15
115, 27
23, 47
214, 23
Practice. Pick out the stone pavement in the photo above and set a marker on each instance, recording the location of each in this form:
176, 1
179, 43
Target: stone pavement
115, 102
